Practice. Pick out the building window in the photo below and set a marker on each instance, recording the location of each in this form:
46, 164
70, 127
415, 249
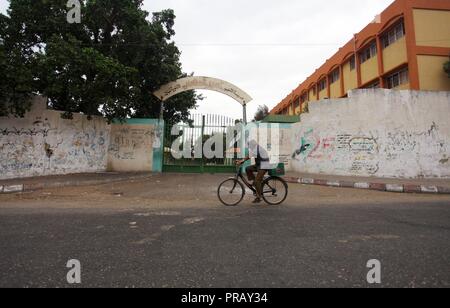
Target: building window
322, 85
368, 53
296, 103
334, 76
393, 35
397, 79
314, 90
304, 98
352, 63
373, 85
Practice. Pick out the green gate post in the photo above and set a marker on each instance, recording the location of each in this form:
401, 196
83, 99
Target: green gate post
158, 154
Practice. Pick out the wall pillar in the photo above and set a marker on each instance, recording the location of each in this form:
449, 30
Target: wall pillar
411, 47
380, 61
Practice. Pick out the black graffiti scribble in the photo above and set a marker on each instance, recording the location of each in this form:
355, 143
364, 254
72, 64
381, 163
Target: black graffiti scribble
363, 144
444, 160
302, 149
433, 128
24, 132
48, 150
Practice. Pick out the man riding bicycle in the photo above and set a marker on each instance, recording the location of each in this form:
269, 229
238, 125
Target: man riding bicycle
261, 167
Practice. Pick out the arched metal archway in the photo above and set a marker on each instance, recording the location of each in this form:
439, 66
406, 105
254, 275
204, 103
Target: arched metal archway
203, 83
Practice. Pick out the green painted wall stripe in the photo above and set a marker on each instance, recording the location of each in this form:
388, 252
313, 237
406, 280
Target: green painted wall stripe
158, 153
281, 119
270, 125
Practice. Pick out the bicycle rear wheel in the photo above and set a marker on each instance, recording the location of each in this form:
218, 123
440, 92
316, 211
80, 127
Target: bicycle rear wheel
231, 192
275, 190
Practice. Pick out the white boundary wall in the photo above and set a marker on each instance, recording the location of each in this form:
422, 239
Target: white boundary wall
42, 143
376, 132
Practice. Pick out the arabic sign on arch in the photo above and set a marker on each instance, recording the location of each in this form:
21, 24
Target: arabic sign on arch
202, 83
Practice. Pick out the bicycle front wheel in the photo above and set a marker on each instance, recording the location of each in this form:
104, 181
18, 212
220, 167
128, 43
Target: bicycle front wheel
275, 190
231, 192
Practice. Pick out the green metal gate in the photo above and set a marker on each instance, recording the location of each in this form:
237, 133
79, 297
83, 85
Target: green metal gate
193, 136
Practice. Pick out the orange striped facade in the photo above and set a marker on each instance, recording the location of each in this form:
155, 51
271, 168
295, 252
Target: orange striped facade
404, 48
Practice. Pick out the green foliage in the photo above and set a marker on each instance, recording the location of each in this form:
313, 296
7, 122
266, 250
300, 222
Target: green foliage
80, 79
447, 68
108, 65
16, 80
261, 113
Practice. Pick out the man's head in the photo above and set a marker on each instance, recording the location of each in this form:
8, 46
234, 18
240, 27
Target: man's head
252, 144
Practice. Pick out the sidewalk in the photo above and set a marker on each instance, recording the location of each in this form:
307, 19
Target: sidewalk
436, 186
35, 183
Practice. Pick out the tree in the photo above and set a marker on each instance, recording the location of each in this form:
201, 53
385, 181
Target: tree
261, 113
16, 81
108, 65
447, 68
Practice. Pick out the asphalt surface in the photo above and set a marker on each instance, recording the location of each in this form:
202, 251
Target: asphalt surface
171, 231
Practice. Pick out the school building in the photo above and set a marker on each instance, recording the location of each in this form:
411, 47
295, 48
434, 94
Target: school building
405, 47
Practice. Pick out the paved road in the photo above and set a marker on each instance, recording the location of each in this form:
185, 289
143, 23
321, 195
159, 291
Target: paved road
171, 232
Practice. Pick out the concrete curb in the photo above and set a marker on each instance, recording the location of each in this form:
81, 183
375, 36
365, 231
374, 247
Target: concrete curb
396, 188
20, 188
8, 189
386, 187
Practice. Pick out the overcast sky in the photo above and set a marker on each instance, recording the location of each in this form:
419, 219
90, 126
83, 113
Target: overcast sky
266, 47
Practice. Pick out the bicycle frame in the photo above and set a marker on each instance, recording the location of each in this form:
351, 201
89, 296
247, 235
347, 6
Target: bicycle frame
240, 175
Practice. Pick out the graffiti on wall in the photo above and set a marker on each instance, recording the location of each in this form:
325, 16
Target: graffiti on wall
360, 151
364, 153
38, 146
308, 141
383, 133
283, 153
129, 141
88, 146
157, 137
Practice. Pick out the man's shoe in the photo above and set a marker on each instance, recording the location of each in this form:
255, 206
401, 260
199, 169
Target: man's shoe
257, 200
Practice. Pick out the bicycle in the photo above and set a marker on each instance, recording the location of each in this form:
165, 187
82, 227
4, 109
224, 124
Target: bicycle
231, 192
